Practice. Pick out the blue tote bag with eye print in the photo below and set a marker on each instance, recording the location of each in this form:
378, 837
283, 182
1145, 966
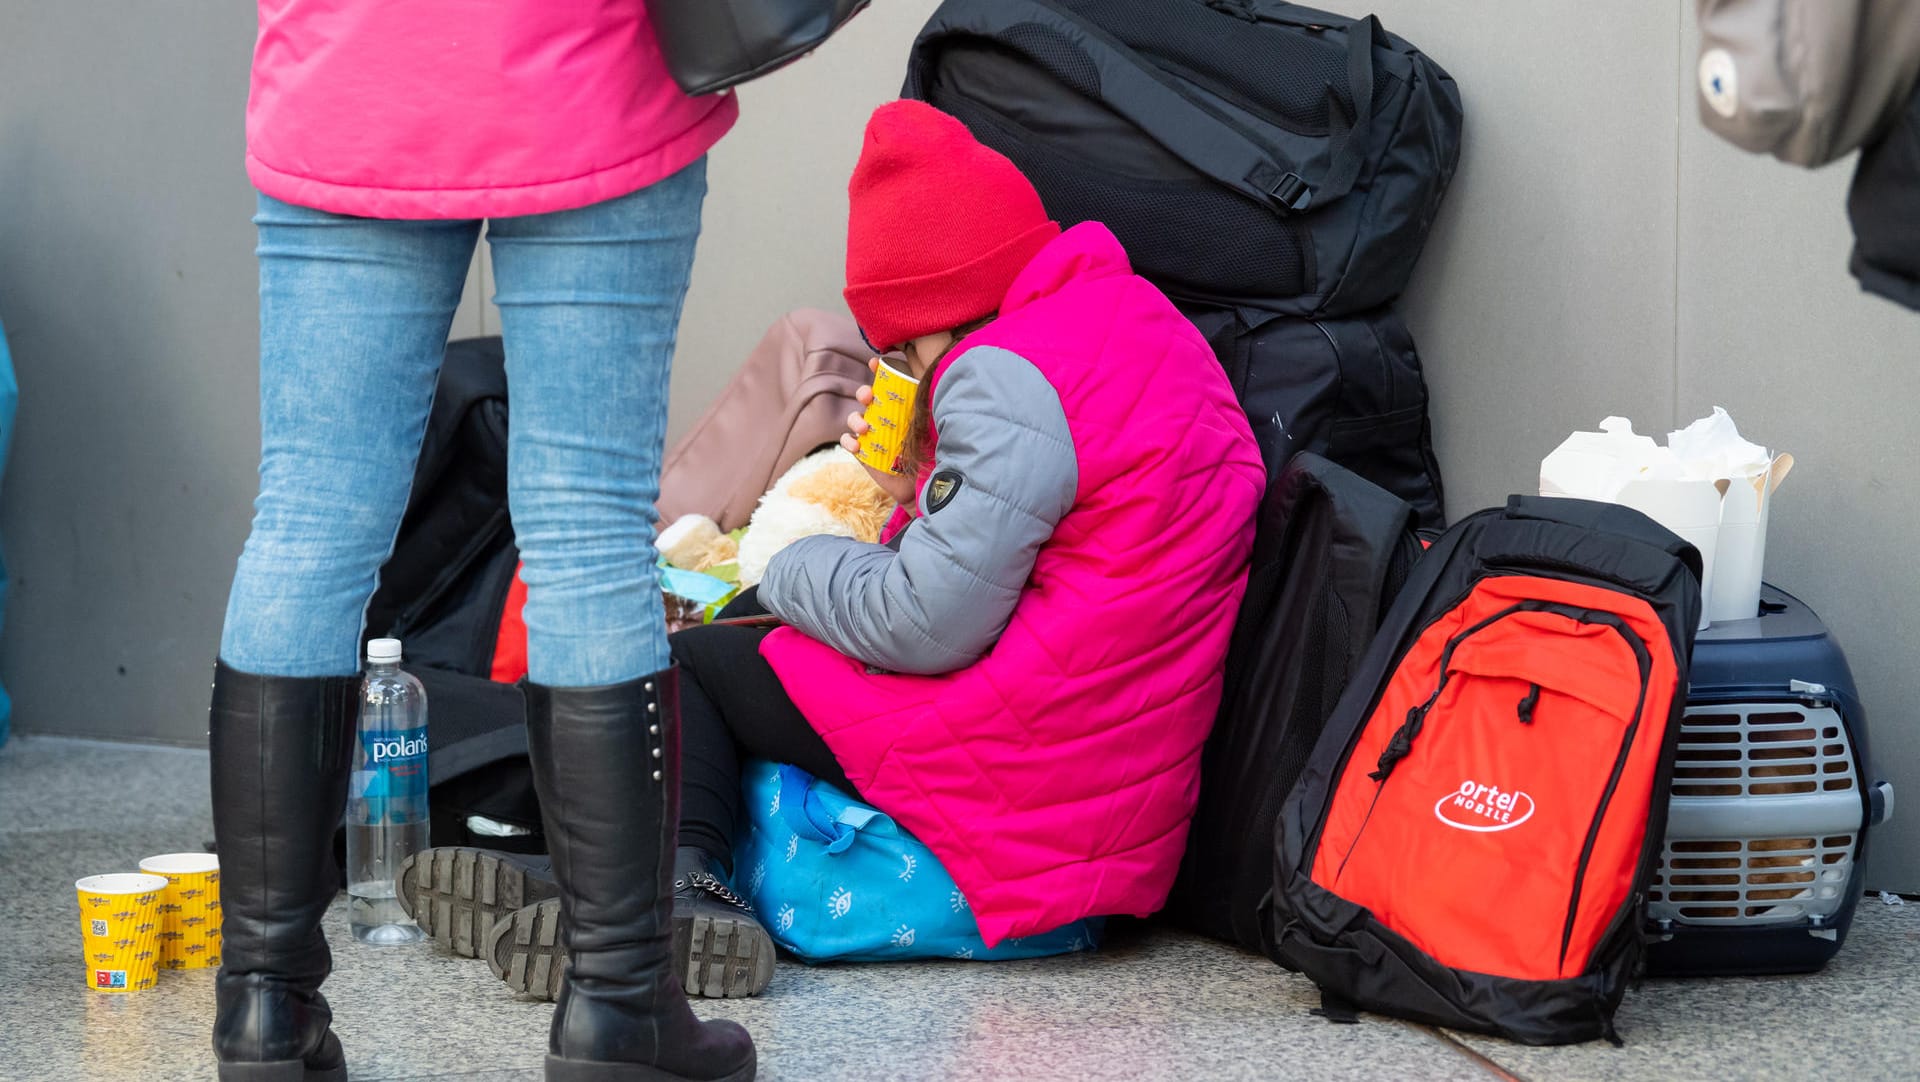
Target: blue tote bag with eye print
834, 879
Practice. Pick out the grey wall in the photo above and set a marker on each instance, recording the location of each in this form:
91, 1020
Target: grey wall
126, 289
1599, 254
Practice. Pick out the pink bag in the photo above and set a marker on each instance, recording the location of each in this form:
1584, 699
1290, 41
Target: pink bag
790, 398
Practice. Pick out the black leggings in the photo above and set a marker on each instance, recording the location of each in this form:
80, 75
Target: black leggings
732, 704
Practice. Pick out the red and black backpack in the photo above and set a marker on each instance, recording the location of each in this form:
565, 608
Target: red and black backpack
1471, 842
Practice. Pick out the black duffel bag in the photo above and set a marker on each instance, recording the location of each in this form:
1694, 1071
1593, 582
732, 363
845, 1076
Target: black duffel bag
1350, 389
1246, 152
711, 45
1330, 553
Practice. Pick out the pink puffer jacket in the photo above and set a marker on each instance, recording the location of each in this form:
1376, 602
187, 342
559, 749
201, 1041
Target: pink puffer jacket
1055, 776
455, 109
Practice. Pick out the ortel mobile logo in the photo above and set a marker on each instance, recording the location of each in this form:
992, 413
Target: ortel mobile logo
1483, 808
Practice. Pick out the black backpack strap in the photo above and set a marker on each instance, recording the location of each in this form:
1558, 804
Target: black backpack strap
1644, 564
1206, 139
1337, 1009
1347, 151
1610, 518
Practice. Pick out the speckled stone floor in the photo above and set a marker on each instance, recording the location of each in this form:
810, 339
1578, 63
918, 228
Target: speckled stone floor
1157, 1006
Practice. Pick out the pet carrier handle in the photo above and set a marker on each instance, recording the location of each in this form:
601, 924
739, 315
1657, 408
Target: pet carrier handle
806, 816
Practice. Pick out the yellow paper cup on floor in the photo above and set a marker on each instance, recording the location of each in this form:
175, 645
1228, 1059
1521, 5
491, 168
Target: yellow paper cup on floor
888, 418
190, 912
120, 927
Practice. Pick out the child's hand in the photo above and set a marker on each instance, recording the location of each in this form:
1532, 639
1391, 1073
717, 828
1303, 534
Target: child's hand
900, 490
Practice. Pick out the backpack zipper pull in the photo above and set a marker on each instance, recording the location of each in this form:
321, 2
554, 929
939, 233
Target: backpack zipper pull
1401, 745
1527, 704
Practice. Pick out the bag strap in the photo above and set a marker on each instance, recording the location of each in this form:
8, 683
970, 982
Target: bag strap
1609, 518
1347, 150
805, 814
1221, 148
1632, 566
1337, 1009
1194, 131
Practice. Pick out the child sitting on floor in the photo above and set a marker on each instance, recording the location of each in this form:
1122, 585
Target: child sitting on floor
1024, 677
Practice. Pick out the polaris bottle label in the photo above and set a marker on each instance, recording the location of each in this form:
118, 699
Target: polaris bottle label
397, 746
394, 765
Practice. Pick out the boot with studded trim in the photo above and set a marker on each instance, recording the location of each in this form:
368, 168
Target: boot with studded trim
606, 764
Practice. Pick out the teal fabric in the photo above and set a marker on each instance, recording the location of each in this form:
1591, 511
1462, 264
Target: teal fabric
834, 879
9, 403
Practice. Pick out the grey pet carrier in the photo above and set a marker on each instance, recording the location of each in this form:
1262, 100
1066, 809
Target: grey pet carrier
1773, 796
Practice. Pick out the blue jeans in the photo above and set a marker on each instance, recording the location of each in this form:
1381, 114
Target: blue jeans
354, 315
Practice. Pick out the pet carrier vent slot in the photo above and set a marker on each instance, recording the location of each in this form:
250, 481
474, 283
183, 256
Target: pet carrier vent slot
1736, 881
1736, 751
1762, 825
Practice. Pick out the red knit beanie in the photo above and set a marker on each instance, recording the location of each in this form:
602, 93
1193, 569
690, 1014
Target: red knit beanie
938, 226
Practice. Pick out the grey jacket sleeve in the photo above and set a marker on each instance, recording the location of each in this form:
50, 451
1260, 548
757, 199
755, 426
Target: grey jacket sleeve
1004, 476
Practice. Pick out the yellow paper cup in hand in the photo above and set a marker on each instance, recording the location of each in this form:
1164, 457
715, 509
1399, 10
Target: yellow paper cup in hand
120, 927
888, 418
190, 912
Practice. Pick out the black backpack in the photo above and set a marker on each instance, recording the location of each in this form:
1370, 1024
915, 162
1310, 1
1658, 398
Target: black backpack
1350, 389
1330, 552
442, 593
1246, 152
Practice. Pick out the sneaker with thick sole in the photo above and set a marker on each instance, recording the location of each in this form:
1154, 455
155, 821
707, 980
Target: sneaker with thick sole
457, 894
722, 956
524, 950
719, 950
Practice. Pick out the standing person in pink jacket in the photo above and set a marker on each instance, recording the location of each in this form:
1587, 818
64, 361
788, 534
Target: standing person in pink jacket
1024, 675
383, 137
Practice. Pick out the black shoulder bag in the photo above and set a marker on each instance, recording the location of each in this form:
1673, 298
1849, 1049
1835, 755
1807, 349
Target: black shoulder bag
714, 44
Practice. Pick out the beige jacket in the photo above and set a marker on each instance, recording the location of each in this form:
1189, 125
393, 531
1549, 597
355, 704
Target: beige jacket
1808, 81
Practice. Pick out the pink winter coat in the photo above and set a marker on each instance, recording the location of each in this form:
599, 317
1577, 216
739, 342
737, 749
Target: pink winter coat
1090, 435
457, 109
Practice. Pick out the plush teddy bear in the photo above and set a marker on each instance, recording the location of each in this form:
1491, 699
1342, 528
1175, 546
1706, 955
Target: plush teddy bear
695, 543
827, 492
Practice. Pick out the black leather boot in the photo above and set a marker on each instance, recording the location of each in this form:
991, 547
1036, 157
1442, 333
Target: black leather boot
605, 763
456, 894
281, 750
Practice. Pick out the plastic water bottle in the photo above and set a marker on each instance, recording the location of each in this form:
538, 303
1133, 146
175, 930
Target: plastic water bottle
387, 802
